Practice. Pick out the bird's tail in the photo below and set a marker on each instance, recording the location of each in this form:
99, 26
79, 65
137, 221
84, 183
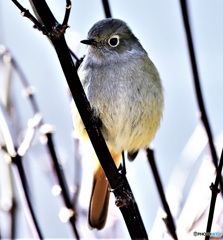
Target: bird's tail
99, 201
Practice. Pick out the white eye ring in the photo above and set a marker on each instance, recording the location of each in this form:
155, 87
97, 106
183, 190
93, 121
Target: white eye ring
113, 41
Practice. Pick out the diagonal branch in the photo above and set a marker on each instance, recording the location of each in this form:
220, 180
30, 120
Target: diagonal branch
26, 13
130, 211
21, 179
28, 88
36, 122
24, 146
169, 219
61, 179
20, 174
123, 193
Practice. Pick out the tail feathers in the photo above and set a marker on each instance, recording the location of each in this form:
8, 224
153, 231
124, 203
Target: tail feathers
99, 201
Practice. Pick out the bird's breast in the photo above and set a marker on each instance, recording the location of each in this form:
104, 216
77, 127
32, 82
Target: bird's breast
125, 99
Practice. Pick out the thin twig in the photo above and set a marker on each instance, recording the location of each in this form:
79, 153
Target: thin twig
61, 181
7, 133
29, 136
107, 10
215, 191
25, 83
5, 59
26, 13
67, 13
50, 145
7, 199
6, 183
74, 55
169, 219
78, 61
200, 100
17, 160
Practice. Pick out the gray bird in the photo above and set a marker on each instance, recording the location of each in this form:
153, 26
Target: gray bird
125, 92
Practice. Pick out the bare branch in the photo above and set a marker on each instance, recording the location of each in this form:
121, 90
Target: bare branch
200, 100
60, 177
26, 13
37, 121
67, 13
20, 174
169, 219
107, 10
215, 191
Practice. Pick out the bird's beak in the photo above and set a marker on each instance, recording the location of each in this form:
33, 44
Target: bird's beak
89, 42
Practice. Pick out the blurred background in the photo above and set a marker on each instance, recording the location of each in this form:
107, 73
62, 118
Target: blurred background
181, 150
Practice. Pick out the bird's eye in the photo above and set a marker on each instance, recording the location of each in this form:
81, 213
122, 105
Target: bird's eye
113, 41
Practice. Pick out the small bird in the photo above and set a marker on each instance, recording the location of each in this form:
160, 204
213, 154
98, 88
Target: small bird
126, 95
